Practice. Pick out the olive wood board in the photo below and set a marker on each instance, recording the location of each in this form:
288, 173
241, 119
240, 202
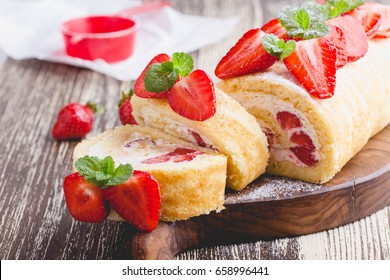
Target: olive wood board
274, 207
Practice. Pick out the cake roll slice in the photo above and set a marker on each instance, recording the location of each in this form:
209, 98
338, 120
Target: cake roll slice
192, 179
231, 131
312, 139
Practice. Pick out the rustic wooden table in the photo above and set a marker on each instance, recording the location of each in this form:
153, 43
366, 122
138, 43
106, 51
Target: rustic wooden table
34, 221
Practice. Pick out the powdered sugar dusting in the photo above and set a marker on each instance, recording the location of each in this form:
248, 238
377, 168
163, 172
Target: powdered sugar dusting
272, 188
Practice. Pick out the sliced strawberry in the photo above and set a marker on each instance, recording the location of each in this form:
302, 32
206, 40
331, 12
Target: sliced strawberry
288, 120
199, 140
313, 63
305, 155
137, 200
245, 57
139, 86
384, 28
178, 155
193, 97
370, 19
270, 136
274, 27
354, 34
85, 201
300, 138
336, 38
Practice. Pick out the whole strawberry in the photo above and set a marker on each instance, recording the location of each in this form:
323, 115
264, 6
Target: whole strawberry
125, 109
75, 120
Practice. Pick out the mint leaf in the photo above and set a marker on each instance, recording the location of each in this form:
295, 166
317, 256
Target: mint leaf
316, 11
338, 7
160, 77
183, 63
107, 165
277, 47
306, 22
102, 172
317, 30
288, 48
301, 17
121, 174
87, 166
286, 17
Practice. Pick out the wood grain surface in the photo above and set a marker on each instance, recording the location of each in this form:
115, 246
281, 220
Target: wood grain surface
34, 222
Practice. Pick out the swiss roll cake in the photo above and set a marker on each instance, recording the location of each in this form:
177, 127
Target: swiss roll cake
312, 139
192, 179
231, 130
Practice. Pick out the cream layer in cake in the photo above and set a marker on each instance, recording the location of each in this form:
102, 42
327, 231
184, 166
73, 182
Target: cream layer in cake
192, 179
232, 131
327, 132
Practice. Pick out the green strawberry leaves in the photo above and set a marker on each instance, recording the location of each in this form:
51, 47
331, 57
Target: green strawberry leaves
161, 77
102, 172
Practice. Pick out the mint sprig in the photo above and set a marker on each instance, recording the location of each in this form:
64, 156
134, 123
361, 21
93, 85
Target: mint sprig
278, 47
303, 22
102, 172
161, 77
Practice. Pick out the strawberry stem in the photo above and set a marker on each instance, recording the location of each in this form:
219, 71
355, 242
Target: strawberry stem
95, 107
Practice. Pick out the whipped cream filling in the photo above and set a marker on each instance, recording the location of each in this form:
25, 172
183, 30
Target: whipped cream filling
135, 149
179, 129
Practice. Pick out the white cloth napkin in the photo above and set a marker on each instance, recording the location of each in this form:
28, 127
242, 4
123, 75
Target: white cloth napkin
30, 29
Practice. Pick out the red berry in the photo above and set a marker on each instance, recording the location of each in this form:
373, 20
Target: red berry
300, 138
74, 121
288, 120
139, 86
193, 97
313, 63
355, 37
137, 200
274, 27
85, 201
368, 17
126, 110
305, 155
337, 39
245, 57
384, 28
178, 155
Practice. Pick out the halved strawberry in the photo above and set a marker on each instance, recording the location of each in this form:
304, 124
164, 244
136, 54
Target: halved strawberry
354, 34
178, 155
384, 28
288, 120
303, 148
368, 17
193, 97
85, 201
139, 86
313, 63
336, 38
300, 138
274, 27
137, 200
305, 155
245, 57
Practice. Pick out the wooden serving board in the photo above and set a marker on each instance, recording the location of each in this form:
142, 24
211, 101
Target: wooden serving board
274, 207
